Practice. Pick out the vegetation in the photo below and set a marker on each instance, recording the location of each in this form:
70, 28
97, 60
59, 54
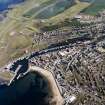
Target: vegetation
65, 23
95, 7
69, 13
6, 75
16, 30
33, 11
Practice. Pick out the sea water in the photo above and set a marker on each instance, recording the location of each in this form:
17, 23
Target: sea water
28, 90
4, 4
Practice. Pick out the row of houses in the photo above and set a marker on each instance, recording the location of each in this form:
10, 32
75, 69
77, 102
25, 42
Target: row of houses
75, 68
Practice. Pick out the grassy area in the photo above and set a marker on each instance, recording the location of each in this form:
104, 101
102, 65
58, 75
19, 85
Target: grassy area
35, 9
15, 30
66, 23
48, 9
69, 13
14, 45
95, 7
6, 75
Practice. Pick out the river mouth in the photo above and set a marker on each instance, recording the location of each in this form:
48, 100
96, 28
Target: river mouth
32, 89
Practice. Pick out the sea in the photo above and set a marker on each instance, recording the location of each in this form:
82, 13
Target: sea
32, 89
5, 4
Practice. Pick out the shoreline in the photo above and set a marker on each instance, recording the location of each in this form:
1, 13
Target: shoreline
4, 12
53, 87
52, 83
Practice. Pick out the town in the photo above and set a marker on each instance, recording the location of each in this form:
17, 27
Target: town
75, 57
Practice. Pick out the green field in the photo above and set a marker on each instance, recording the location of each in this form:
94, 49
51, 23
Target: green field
69, 13
34, 10
95, 7
16, 29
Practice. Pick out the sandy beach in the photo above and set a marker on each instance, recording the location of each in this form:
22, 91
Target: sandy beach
57, 98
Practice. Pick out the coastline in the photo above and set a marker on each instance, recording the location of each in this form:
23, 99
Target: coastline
52, 83
4, 11
27, 81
